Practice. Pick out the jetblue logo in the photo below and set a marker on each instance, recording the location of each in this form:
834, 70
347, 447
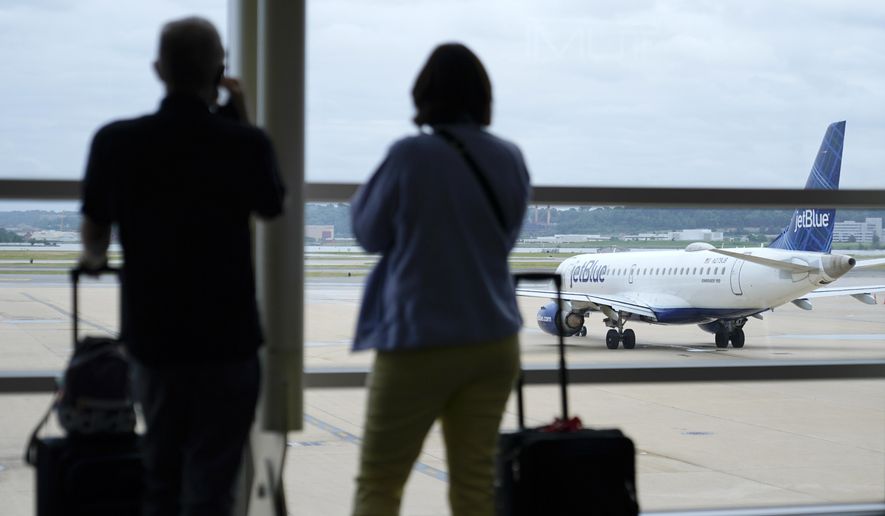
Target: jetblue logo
811, 219
590, 271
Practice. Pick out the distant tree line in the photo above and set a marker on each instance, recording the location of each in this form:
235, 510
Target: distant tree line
625, 220
10, 237
337, 215
579, 220
41, 219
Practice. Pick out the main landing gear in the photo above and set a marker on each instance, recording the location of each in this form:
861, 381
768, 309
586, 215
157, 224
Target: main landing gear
733, 333
617, 334
736, 337
613, 338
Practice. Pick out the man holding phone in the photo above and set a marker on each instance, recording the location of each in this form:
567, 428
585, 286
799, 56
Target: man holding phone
181, 185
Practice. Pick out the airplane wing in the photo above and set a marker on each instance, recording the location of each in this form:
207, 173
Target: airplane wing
869, 263
793, 267
863, 294
593, 301
777, 264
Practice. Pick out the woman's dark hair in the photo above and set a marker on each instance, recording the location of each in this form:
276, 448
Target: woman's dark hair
453, 86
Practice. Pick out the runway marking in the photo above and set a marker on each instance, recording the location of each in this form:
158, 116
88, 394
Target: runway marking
68, 314
856, 336
325, 344
346, 436
305, 444
31, 321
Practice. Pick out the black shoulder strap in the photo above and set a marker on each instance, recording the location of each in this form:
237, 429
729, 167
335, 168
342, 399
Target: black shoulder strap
483, 180
31, 450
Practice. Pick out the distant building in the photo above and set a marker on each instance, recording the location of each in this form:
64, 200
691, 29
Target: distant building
860, 232
566, 239
698, 235
320, 233
692, 235
563, 239
648, 237
54, 236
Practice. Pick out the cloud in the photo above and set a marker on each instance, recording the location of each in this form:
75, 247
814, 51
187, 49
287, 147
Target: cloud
70, 67
657, 93
676, 92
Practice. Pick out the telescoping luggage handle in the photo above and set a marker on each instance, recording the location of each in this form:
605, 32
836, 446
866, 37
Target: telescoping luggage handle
76, 272
563, 372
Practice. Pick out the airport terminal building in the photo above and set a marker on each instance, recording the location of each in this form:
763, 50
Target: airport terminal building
866, 232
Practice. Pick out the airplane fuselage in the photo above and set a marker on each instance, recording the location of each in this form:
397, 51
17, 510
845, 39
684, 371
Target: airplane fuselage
683, 287
717, 289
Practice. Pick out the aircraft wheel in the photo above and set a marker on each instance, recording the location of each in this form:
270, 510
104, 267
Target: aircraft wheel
737, 338
583, 332
721, 339
629, 339
611, 339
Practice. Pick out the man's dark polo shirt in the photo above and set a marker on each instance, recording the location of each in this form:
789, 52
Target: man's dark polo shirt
181, 185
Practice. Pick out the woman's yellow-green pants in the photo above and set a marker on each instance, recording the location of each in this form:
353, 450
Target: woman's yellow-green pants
466, 387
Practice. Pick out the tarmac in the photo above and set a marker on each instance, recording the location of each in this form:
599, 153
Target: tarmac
714, 445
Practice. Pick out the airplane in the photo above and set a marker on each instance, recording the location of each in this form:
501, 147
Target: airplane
717, 289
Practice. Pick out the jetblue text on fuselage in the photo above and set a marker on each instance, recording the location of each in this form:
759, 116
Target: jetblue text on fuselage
590, 272
811, 219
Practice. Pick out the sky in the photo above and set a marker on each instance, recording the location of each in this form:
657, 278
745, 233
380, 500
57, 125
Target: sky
609, 93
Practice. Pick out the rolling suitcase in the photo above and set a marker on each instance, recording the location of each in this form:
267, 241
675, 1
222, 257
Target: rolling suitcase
96, 469
562, 468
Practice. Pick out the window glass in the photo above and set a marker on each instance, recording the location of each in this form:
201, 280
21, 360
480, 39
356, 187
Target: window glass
336, 269
665, 93
697, 445
71, 66
39, 245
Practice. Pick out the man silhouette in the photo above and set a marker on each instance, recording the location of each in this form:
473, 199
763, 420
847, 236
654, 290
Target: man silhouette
180, 185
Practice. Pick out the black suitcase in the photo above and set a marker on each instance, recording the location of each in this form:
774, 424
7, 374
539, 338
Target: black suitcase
80, 475
89, 476
563, 469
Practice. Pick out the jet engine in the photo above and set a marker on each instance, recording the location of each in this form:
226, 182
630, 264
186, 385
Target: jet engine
554, 321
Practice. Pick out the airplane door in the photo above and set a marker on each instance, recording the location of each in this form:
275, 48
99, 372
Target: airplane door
736, 277
632, 270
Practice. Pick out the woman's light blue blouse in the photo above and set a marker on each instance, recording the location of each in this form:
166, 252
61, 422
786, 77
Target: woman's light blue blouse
443, 277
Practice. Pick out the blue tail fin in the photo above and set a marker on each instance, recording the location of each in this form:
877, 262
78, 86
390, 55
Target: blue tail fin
811, 229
